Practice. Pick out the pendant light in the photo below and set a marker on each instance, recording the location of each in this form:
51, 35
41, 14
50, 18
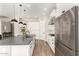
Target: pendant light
20, 22
24, 24
14, 20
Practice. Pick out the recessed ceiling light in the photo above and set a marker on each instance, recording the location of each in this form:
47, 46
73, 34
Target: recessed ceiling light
28, 5
45, 9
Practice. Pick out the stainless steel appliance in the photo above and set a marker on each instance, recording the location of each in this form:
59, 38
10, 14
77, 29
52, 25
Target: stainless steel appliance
67, 33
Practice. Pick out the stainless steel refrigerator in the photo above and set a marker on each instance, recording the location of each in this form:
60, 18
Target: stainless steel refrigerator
67, 33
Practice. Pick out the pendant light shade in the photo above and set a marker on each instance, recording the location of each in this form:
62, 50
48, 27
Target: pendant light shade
20, 22
20, 19
14, 20
24, 24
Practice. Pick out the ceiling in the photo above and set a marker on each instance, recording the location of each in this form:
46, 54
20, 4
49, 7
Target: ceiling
28, 11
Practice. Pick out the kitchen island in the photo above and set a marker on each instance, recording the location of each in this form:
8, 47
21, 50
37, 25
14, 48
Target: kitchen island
17, 46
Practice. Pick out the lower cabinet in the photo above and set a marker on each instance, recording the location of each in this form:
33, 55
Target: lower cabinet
23, 50
20, 50
5, 50
51, 42
17, 50
31, 48
62, 50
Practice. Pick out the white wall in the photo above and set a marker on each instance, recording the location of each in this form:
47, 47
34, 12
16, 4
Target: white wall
43, 29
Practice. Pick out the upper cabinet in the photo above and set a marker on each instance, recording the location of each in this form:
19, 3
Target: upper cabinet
63, 7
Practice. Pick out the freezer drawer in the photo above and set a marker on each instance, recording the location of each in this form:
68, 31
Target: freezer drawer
62, 50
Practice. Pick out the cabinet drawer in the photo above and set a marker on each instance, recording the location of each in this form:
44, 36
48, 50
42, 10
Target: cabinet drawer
63, 49
20, 50
4, 49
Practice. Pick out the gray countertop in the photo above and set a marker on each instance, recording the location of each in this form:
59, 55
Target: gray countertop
15, 41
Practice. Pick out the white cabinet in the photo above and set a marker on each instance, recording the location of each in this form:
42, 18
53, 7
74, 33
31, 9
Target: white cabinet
5, 50
23, 50
51, 29
51, 37
51, 42
20, 50
32, 44
17, 50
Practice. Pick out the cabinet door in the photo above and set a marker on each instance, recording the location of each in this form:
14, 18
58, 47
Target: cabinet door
31, 46
5, 51
20, 50
67, 32
70, 31
53, 44
57, 28
61, 28
30, 50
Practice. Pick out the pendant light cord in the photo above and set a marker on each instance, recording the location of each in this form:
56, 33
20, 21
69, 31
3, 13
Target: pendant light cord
20, 12
14, 10
14, 20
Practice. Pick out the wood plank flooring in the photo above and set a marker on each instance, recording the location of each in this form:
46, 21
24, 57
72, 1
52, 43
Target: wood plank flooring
42, 49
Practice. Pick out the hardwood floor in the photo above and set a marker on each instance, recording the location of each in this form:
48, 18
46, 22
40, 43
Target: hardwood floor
42, 49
